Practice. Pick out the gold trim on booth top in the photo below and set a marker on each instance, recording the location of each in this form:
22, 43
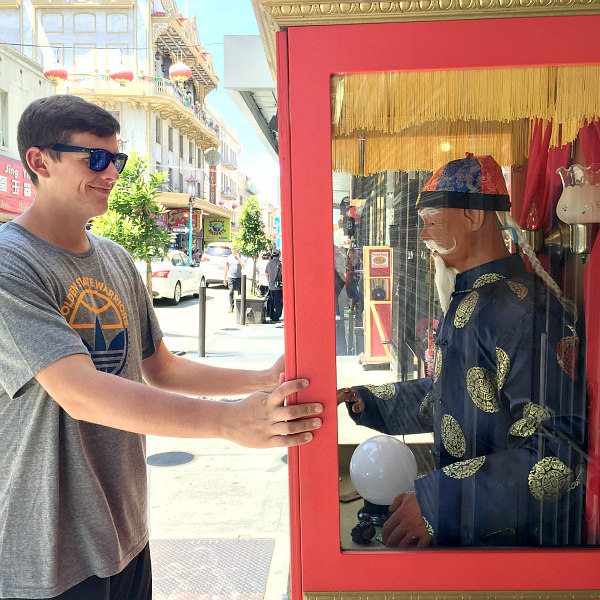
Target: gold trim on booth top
307, 12
455, 595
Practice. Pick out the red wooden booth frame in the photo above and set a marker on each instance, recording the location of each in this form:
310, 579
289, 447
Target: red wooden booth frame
307, 57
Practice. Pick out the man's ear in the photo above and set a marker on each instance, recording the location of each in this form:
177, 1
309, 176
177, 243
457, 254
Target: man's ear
36, 160
475, 218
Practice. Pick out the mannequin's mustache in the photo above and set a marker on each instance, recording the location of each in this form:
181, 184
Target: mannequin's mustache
435, 247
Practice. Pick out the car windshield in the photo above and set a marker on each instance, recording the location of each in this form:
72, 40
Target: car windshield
217, 251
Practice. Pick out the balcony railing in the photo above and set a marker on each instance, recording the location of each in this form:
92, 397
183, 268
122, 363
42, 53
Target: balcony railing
145, 86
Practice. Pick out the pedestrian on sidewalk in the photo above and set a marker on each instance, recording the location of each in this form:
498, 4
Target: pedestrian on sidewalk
232, 277
79, 341
275, 301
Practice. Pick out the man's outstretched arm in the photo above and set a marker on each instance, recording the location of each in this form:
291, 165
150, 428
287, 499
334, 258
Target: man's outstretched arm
261, 420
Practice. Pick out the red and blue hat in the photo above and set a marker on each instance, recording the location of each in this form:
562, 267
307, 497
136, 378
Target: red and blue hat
471, 182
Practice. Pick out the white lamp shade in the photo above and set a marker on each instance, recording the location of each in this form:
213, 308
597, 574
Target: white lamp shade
382, 468
580, 198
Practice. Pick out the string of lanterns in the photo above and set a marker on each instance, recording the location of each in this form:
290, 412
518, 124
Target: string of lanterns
179, 73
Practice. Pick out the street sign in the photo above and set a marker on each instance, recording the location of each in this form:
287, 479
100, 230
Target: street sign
180, 229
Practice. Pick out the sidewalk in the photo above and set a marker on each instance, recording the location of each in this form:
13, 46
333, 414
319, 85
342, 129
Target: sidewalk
219, 523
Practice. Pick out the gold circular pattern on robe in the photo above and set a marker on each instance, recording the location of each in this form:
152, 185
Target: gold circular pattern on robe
453, 438
464, 468
519, 289
465, 309
549, 479
487, 278
481, 385
567, 351
533, 415
437, 369
384, 392
502, 366
580, 470
426, 408
428, 527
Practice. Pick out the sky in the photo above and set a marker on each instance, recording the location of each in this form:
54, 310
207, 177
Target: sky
216, 19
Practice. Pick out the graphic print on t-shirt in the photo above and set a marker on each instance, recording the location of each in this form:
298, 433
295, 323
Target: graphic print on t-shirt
98, 315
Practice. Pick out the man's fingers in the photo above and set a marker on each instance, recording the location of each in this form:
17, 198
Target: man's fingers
287, 441
395, 537
292, 427
396, 503
287, 388
296, 411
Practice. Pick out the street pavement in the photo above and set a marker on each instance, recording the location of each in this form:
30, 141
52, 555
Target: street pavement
218, 523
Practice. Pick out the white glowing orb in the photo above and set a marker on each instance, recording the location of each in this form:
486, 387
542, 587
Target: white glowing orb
381, 468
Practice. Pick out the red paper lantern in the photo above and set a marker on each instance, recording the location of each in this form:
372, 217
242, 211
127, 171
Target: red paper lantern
221, 202
180, 72
56, 74
234, 205
122, 75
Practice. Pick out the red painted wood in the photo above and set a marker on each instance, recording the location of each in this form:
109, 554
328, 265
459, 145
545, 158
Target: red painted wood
315, 53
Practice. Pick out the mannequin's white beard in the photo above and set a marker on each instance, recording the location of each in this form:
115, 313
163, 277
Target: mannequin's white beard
445, 277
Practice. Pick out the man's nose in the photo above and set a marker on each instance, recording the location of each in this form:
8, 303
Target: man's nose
110, 174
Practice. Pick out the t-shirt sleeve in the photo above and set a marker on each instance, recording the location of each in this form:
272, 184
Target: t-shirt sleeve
33, 332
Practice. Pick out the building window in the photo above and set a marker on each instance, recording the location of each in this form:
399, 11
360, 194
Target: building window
171, 183
170, 138
199, 158
190, 152
180, 145
180, 185
158, 130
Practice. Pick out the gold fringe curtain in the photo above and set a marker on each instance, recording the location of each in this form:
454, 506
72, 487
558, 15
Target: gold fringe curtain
418, 149
418, 120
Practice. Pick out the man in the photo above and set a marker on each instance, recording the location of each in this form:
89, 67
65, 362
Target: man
78, 338
506, 402
275, 301
232, 277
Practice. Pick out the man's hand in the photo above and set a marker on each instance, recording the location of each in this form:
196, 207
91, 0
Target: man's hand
276, 373
351, 397
405, 527
263, 421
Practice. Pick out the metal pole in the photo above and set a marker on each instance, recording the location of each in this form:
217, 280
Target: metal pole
190, 226
243, 302
202, 320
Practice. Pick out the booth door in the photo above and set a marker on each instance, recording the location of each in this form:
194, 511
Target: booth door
362, 307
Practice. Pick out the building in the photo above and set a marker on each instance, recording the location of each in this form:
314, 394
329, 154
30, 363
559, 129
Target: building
20, 79
141, 60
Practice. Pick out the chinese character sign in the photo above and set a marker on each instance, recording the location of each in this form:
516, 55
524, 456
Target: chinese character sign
16, 189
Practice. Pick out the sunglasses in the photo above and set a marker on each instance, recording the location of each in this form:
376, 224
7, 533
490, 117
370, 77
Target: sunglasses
99, 158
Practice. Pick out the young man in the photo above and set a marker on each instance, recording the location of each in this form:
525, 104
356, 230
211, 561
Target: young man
78, 339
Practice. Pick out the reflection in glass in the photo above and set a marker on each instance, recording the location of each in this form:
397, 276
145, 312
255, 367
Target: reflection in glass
450, 333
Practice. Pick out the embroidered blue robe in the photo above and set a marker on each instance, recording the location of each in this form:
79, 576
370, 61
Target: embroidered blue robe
507, 408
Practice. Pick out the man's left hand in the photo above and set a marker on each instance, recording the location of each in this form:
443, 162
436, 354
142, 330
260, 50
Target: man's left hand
405, 527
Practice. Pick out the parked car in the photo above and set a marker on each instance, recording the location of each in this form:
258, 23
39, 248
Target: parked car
173, 276
212, 263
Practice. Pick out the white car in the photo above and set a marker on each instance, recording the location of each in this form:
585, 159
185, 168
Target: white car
173, 276
212, 263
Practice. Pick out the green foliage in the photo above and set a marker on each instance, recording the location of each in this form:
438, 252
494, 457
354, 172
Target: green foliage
251, 239
132, 212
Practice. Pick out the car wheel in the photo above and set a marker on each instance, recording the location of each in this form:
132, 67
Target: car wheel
176, 294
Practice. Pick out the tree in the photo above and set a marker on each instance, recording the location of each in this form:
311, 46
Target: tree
133, 210
251, 239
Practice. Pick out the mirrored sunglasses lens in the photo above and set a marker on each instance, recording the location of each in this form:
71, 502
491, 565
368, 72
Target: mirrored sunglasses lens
120, 160
99, 159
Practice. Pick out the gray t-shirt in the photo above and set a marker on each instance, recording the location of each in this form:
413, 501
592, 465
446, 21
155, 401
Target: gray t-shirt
72, 494
235, 267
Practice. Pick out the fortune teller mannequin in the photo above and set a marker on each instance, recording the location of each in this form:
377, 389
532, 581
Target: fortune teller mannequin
506, 402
